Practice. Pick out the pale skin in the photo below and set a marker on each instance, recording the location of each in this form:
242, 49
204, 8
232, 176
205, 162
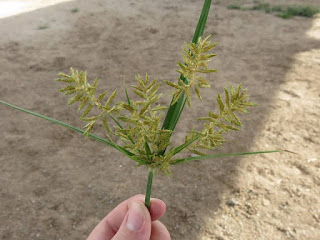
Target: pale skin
131, 220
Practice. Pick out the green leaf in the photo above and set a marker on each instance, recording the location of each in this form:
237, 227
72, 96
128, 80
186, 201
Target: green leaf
148, 151
120, 126
116, 121
120, 149
202, 21
175, 110
183, 146
189, 159
172, 116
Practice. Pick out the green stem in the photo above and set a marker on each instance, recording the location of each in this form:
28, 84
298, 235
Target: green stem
149, 186
175, 110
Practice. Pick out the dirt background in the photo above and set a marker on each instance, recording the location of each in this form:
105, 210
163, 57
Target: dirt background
57, 185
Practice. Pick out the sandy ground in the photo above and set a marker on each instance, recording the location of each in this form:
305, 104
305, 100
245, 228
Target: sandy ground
57, 185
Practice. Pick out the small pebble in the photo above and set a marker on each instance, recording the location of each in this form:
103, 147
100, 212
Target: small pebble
231, 202
312, 160
265, 202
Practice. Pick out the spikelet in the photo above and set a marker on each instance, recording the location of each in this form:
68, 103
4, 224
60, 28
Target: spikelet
196, 58
85, 95
143, 119
224, 121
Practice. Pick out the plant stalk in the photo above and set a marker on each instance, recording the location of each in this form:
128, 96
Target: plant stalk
175, 110
149, 186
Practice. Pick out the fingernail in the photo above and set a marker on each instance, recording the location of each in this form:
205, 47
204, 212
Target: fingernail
136, 217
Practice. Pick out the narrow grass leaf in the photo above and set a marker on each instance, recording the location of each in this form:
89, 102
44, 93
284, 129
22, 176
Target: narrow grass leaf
148, 151
202, 21
183, 146
175, 110
189, 159
126, 152
116, 121
120, 126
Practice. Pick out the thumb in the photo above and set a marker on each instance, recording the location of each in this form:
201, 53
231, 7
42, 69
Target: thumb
136, 224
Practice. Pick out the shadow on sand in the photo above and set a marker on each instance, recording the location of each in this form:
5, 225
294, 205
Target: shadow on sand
60, 190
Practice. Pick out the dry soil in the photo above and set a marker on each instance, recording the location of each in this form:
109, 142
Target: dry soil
57, 185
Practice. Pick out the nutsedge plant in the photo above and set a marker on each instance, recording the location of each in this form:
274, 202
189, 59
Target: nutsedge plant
139, 121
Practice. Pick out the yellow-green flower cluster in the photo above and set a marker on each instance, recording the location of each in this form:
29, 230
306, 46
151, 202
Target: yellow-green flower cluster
85, 95
143, 120
138, 121
223, 121
196, 58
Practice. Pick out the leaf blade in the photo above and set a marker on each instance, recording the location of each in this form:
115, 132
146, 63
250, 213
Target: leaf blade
124, 151
188, 159
183, 146
175, 110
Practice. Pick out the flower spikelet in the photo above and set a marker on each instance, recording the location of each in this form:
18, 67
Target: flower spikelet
85, 95
142, 133
236, 100
196, 58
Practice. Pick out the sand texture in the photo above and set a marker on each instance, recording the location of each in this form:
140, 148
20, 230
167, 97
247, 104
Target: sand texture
54, 184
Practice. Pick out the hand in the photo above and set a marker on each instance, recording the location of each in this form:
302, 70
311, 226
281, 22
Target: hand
131, 220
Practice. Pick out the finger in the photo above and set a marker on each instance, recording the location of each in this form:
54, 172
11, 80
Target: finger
136, 224
157, 208
115, 218
109, 226
159, 231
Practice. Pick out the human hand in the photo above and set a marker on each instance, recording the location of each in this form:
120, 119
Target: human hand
131, 220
